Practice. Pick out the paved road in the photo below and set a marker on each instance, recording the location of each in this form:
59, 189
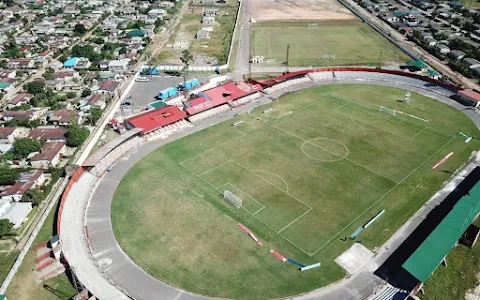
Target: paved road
243, 53
121, 270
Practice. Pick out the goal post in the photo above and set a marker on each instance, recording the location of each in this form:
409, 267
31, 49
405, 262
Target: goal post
232, 199
388, 110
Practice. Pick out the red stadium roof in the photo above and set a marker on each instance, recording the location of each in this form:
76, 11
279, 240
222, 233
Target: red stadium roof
157, 118
471, 94
221, 95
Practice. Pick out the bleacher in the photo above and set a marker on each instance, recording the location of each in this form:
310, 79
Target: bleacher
209, 113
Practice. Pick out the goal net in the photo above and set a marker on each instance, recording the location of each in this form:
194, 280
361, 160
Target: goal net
232, 199
313, 25
388, 110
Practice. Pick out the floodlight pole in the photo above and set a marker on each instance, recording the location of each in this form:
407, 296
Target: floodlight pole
288, 56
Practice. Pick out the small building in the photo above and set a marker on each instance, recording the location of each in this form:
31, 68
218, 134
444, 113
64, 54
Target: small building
64, 117
49, 156
208, 20
9, 134
107, 87
27, 181
23, 115
441, 48
97, 100
471, 63
16, 213
417, 65
19, 99
21, 63
210, 12
456, 54
48, 134
118, 66
204, 33
71, 62
157, 13
468, 98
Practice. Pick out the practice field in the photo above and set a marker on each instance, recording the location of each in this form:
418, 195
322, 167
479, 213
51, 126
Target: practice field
336, 43
310, 171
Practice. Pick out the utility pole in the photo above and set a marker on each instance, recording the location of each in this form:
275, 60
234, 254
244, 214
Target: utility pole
288, 56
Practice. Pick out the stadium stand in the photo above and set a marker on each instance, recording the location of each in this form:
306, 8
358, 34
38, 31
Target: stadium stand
154, 119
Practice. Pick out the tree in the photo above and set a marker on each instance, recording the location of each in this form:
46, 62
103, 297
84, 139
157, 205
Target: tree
159, 22
8, 176
76, 135
35, 87
86, 92
79, 29
5, 227
33, 195
23, 147
3, 64
71, 95
186, 59
95, 115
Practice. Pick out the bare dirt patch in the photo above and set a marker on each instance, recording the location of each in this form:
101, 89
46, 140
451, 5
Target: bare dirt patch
295, 10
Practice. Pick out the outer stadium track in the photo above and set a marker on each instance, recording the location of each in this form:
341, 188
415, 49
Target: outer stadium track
100, 264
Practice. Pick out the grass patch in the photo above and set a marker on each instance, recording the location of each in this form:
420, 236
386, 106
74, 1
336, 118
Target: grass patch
454, 281
6, 262
351, 42
312, 170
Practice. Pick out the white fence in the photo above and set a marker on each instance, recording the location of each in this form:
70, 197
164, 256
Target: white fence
32, 236
191, 68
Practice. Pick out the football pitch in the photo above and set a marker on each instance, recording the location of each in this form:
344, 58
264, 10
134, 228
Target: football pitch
309, 171
332, 43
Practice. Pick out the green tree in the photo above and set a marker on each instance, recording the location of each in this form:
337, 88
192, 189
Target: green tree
79, 29
35, 87
8, 176
186, 59
23, 147
3, 64
5, 227
33, 195
95, 115
71, 95
76, 135
86, 92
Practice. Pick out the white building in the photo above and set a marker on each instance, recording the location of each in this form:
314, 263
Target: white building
16, 213
118, 66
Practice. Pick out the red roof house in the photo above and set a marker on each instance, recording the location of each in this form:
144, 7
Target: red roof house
154, 119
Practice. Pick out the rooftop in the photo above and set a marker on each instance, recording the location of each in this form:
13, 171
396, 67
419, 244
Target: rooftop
153, 119
44, 134
471, 94
26, 181
48, 151
6, 131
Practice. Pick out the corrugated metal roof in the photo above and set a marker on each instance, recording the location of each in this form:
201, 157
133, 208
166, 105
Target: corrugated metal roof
438, 244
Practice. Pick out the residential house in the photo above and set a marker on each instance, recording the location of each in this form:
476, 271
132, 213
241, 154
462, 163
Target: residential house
441, 48
24, 115
64, 117
456, 54
107, 87
157, 13
27, 181
210, 12
471, 63
71, 62
48, 134
66, 75
204, 33
166, 4
19, 99
83, 63
103, 65
20, 63
208, 20
49, 156
9, 134
118, 66
16, 213
95, 100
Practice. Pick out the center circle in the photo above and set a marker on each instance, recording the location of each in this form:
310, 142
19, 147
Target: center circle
325, 149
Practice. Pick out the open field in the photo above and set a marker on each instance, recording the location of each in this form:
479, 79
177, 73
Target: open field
296, 10
216, 47
319, 165
336, 43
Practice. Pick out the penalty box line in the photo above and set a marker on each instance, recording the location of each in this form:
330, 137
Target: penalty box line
246, 194
208, 183
381, 198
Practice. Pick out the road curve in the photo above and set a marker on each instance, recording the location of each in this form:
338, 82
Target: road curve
106, 270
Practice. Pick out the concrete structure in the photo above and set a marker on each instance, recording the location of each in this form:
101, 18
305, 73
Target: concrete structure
469, 98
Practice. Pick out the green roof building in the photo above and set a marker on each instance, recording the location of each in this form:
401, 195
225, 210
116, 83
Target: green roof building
4, 85
134, 33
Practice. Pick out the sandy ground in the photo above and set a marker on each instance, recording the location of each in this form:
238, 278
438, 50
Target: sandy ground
270, 10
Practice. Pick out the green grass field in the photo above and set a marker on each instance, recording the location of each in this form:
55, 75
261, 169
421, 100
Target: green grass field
320, 164
351, 43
